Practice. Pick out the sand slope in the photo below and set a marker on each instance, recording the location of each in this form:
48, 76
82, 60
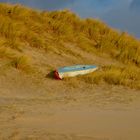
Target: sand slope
35, 106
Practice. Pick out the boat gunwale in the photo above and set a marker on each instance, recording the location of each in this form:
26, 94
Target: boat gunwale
76, 68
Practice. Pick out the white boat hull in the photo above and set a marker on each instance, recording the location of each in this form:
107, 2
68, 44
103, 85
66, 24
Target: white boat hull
76, 73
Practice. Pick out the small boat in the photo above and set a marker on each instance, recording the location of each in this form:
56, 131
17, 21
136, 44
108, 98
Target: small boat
72, 71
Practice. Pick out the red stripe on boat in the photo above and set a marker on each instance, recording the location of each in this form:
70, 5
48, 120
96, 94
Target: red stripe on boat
56, 75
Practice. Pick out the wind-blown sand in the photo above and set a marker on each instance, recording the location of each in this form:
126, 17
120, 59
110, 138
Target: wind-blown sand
56, 111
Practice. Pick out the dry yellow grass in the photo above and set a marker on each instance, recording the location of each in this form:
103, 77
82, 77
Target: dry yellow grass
6, 53
127, 76
21, 63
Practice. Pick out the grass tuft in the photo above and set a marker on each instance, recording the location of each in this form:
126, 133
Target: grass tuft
21, 63
6, 53
127, 76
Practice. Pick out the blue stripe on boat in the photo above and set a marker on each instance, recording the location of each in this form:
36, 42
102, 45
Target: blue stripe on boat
76, 68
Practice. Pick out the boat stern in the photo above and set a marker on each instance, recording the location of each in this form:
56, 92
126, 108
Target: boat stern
56, 75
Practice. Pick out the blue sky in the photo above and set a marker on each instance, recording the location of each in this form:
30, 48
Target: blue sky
121, 14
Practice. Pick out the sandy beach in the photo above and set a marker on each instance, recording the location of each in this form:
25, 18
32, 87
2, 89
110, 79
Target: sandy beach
83, 113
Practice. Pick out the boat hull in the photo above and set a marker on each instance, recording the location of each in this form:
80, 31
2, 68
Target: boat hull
72, 72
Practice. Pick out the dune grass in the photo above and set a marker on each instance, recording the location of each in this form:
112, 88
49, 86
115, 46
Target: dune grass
21, 26
26, 26
128, 76
21, 63
6, 53
14, 59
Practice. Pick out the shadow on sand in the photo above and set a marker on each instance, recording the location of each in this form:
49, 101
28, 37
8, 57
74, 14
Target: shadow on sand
50, 75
